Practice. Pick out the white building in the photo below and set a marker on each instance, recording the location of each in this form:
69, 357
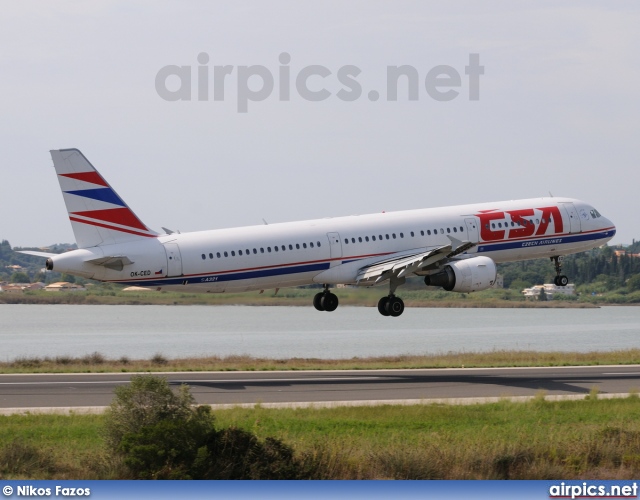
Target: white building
549, 290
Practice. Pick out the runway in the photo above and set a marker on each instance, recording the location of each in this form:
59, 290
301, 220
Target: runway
47, 392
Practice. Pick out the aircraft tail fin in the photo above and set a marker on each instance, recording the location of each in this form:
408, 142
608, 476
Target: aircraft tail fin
98, 215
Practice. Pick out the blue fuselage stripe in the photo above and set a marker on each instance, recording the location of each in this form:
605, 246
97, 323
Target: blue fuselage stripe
559, 240
263, 273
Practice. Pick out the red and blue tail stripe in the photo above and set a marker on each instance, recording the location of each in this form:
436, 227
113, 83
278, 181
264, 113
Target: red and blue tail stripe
98, 215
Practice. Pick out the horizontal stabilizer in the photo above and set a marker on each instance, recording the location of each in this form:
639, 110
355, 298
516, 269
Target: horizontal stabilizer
45, 255
116, 263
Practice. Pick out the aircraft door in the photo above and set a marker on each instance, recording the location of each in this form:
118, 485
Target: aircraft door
335, 248
574, 218
472, 232
174, 260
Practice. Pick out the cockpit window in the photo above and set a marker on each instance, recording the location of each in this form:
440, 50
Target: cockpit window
595, 214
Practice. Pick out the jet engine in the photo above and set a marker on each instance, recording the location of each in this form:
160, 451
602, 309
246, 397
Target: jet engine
467, 275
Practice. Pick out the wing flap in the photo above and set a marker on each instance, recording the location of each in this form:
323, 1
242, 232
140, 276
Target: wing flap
401, 266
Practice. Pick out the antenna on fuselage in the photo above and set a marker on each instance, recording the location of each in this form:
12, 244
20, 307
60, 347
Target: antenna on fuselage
550, 194
265, 222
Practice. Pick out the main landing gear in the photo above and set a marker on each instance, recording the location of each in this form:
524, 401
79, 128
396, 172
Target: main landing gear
560, 279
325, 301
391, 306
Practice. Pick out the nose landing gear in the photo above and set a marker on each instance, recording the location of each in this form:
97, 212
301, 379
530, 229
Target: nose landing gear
560, 279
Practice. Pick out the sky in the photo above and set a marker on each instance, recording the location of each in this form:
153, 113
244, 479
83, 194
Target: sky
555, 110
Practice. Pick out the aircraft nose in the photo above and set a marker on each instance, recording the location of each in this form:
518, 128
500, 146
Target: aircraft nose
610, 225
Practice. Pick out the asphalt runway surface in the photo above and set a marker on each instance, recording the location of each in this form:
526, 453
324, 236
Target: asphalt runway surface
339, 387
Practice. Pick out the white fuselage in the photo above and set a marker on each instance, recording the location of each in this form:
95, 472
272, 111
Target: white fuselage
331, 251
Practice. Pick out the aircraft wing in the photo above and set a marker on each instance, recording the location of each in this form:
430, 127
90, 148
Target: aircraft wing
401, 266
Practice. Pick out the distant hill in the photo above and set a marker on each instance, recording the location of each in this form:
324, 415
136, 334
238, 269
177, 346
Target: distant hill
30, 265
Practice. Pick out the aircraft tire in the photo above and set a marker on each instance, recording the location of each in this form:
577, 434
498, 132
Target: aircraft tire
382, 306
562, 280
317, 301
395, 306
329, 302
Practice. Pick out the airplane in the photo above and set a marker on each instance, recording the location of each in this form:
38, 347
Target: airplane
455, 248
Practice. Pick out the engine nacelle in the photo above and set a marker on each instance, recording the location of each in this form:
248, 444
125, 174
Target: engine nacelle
467, 275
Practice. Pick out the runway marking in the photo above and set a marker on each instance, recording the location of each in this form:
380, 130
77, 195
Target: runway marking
214, 381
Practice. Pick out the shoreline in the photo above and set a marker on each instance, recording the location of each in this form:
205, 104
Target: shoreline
98, 363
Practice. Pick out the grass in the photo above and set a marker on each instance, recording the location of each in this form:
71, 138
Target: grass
366, 297
97, 363
596, 439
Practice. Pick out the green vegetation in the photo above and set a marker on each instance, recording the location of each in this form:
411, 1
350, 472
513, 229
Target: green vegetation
159, 434
97, 363
596, 439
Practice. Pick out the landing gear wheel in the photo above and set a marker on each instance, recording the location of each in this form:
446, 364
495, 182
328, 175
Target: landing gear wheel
395, 306
382, 306
560, 279
329, 302
317, 301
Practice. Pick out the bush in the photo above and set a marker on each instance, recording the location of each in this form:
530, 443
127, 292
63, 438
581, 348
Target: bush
146, 401
161, 436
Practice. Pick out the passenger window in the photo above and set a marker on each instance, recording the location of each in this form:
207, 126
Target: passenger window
441, 231
269, 249
393, 235
311, 244
401, 235
387, 236
366, 238
318, 243
412, 234
304, 245
429, 232
353, 240
226, 254
211, 256
261, 250
218, 254
233, 253
449, 230
373, 237
290, 247
255, 250
284, 248
346, 240
421, 233
461, 229
455, 229
275, 248
297, 246
239, 252
204, 256
360, 239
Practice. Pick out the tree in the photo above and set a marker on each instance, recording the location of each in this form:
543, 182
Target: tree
19, 278
633, 283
